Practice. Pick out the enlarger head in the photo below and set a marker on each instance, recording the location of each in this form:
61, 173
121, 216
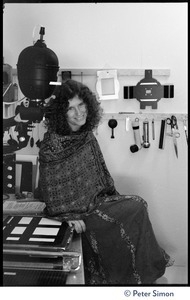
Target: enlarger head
37, 66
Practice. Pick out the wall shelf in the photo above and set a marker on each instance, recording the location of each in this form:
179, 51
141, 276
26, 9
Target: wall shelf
120, 72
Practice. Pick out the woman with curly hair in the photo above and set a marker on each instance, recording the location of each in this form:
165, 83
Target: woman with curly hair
119, 245
60, 122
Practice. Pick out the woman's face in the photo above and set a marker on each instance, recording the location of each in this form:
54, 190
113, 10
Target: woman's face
76, 113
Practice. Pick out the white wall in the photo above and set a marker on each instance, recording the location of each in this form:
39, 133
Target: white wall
122, 36
115, 35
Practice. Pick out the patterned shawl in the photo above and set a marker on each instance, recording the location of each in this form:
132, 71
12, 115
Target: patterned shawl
74, 178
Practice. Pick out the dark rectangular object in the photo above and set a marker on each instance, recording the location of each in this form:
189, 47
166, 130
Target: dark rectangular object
128, 92
162, 134
26, 176
168, 91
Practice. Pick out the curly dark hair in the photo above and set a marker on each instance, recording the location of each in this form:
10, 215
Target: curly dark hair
55, 112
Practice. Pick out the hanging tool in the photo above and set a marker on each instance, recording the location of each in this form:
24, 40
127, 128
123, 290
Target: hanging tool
185, 128
162, 134
138, 145
127, 124
173, 122
112, 123
146, 143
153, 130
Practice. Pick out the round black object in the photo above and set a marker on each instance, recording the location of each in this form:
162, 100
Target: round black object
37, 66
112, 123
134, 148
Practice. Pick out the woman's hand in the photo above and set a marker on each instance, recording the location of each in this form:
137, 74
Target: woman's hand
79, 225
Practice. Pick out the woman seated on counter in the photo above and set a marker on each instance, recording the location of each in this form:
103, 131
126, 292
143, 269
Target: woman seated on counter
119, 245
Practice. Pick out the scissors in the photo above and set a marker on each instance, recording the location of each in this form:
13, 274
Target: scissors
173, 122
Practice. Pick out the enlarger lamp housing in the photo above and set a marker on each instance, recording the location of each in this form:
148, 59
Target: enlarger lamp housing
37, 66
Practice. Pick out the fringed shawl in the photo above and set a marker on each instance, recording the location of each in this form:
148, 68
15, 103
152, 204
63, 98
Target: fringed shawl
74, 178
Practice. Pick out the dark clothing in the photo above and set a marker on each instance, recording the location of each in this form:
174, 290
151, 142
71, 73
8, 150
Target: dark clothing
119, 244
125, 250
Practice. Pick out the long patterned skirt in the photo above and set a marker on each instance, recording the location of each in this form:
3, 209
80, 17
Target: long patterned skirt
119, 245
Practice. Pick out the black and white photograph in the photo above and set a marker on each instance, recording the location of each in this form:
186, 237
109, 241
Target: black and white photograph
95, 150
